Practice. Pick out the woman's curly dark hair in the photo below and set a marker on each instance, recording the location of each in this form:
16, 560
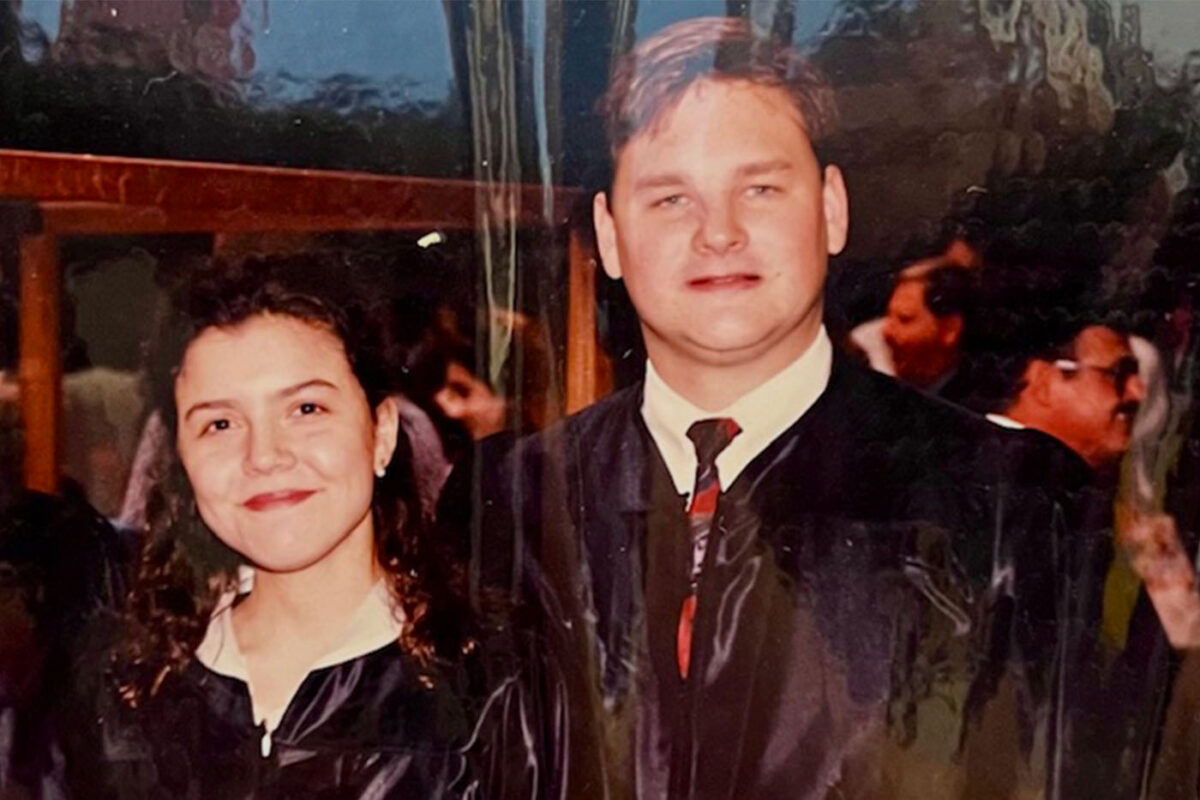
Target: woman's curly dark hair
184, 568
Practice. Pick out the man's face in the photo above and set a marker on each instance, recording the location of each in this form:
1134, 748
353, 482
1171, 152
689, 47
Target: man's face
721, 223
921, 343
471, 402
1093, 404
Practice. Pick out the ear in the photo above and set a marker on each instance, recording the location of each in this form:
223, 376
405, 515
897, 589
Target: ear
837, 210
1039, 379
387, 428
606, 236
951, 329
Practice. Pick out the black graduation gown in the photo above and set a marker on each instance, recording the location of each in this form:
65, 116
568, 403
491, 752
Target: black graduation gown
876, 615
1116, 703
376, 726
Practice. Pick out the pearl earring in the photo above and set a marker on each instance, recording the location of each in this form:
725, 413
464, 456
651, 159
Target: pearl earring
380, 471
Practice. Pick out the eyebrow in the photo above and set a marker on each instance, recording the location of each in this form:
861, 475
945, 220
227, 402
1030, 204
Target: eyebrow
658, 181
764, 167
745, 171
289, 391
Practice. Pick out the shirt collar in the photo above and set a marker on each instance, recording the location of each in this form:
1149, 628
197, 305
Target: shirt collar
1005, 422
763, 414
376, 623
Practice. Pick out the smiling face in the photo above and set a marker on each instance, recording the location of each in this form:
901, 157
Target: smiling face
721, 223
1094, 412
279, 442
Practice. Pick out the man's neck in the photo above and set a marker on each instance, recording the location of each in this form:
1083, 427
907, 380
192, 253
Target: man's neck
935, 374
713, 386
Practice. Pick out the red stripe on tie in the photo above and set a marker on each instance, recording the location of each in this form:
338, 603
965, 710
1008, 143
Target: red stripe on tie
705, 501
683, 638
710, 437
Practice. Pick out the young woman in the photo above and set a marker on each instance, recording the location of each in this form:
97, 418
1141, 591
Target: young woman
290, 633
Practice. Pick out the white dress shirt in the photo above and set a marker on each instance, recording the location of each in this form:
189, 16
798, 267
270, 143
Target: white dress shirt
763, 414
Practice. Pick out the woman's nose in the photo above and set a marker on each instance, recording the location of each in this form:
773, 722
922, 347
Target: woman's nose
267, 449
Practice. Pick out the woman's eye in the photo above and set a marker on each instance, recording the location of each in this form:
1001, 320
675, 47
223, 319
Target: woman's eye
307, 409
215, 426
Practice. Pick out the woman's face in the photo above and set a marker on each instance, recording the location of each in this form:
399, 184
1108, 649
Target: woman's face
278, 440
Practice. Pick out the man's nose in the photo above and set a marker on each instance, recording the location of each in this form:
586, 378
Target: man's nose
721, 228
267, 449
888, 331
449, 403
1135, 389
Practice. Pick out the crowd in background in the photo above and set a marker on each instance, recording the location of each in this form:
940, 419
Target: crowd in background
1004, 323
999, 328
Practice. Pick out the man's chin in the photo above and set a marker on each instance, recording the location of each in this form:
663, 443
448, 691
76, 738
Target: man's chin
728, 352
732, 346
1108, 463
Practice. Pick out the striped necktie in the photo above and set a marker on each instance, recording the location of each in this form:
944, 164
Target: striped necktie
710, 436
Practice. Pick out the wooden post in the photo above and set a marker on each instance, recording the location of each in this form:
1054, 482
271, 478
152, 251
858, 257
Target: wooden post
589, 372
40, 371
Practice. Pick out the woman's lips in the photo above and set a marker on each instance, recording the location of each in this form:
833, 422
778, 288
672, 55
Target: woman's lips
272, 500
740, 280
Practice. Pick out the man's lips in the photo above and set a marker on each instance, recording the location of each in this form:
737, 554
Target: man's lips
1127, 411
736, 280
281, 499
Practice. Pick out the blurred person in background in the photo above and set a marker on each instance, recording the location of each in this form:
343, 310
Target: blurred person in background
920, 337
1046, 355
447, 405
61, 567
519, 402
464, 396
923, 327
60, 562
1085, 392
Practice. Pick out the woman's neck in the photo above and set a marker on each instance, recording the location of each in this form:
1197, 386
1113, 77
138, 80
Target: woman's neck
309, 609
293, 619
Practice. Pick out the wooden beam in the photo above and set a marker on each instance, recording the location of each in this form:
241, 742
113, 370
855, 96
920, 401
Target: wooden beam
70, 218
40, 372
235, 192
589, 371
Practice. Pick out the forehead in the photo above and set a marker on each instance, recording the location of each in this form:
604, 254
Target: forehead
908, 294
724, 118
1101, 344
263, 352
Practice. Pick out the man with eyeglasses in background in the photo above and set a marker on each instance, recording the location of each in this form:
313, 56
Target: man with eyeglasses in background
1085, 394
1073, 375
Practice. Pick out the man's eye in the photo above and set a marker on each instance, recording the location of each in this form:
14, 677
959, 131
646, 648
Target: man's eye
670, 201
762, 190
307, 409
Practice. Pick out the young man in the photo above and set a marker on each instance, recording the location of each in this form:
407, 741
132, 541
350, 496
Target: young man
762, 571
